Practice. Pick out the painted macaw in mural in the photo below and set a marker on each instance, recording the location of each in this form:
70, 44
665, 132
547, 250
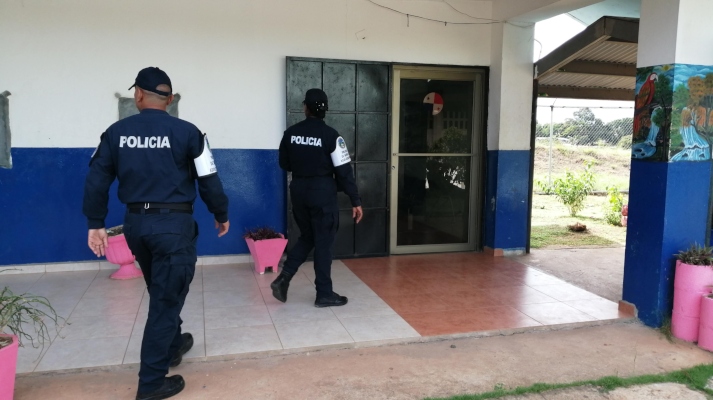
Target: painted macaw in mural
647, 148
643, 99
695, 147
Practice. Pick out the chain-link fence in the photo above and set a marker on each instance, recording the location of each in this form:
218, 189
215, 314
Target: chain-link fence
568, 138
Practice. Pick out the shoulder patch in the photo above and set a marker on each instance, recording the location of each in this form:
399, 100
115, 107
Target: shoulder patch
340, 155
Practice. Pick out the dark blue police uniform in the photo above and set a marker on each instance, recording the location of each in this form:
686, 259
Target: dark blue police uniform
152, 154
319, 161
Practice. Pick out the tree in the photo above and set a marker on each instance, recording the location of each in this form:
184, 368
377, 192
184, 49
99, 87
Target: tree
583, 127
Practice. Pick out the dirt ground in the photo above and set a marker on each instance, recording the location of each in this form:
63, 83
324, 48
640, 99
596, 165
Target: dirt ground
611, 165
399, 372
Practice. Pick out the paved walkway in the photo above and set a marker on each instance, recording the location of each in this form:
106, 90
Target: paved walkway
409, 371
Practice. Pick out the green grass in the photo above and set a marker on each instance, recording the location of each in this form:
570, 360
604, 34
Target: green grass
549, 235
695, 378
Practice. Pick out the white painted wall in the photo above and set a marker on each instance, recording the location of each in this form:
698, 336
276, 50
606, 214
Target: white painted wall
510, 101
675, 31
64, 60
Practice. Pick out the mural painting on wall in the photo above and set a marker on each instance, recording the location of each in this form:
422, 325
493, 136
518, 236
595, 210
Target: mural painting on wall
673, 120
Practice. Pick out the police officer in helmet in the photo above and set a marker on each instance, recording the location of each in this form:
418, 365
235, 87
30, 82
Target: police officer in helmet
320, 164
157, 159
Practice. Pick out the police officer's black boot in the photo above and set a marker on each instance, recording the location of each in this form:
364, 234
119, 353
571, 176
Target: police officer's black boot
280, 285
172, 385
185, 346
331, 300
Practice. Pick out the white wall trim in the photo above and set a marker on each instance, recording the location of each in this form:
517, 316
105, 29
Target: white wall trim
101, 265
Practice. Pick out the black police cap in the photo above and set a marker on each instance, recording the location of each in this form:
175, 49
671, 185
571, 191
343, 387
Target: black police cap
318, 98
150, 78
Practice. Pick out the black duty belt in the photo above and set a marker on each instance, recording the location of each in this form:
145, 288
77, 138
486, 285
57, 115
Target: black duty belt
158, 208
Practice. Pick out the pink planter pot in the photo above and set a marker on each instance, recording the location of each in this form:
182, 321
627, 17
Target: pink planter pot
8, 366
690, 284
118, 253
705, 331
266, 253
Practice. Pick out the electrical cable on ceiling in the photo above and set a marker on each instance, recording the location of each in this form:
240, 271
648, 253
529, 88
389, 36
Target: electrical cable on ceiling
409, 16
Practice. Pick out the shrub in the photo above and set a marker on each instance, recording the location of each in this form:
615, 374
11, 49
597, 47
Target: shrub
612, 210
573, 190
625, 142
544, 187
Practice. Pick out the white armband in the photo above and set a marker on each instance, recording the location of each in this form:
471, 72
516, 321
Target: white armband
205, 164
340, 155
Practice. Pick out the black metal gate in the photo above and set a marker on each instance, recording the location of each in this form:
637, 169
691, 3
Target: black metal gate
359, 109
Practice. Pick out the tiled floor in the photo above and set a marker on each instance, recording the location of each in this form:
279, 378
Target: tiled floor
230, 308
441, 294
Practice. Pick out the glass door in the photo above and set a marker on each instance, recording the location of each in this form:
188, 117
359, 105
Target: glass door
436, 159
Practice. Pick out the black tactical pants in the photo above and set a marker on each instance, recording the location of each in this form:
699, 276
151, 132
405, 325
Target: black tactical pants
314, 206
165, 247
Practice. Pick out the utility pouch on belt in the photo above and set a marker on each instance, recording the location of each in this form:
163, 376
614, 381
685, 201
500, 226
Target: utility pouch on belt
205, 164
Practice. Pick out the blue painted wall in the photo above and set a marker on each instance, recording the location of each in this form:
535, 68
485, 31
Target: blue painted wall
506, 194
668, 209
41, 203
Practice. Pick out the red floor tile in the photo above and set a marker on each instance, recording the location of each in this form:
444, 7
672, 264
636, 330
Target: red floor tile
440, 294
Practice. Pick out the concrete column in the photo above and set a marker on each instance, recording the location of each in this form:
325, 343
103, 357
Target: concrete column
508, 155
671, 158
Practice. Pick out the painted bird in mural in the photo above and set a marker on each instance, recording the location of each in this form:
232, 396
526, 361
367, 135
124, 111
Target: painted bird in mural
643, 99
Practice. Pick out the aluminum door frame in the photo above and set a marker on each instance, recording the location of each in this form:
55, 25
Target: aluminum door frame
477, 154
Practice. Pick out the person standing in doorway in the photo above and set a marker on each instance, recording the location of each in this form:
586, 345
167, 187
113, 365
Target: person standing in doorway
157, 159
319, 161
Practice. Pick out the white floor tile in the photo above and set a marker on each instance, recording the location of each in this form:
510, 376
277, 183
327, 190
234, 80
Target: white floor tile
98, 306
66, 354
381, 327
312, 333
231, 298
363, 306
292, 312
233, 317
133, 351
247, 339
98, 327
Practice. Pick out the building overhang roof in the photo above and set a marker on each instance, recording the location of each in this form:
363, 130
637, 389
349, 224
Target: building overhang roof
598, 63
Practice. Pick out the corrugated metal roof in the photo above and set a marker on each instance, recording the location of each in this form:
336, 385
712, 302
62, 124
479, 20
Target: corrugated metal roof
610, 51
599, 62
588, 80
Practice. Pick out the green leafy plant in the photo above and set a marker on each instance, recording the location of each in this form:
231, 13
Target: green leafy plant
26, 316
544, 187
613, 207
573, 190
261, 233
696, 255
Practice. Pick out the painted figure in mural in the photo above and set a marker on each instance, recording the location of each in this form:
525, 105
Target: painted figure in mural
157, 159
695, 147
643, 100
319, 161
647, 148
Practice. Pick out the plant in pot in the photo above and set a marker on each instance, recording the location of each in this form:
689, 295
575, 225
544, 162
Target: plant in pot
266, 247
118, 252
23, 317
693, 278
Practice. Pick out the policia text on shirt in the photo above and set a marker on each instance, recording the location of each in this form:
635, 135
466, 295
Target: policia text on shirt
157, 159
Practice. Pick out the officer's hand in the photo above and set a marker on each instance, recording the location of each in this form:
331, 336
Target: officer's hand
222, 227
357, 213
98, 241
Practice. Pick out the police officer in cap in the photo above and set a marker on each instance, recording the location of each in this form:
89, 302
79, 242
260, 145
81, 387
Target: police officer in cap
157, 159
320, 164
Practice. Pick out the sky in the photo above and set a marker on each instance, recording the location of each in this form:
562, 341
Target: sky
549, 35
